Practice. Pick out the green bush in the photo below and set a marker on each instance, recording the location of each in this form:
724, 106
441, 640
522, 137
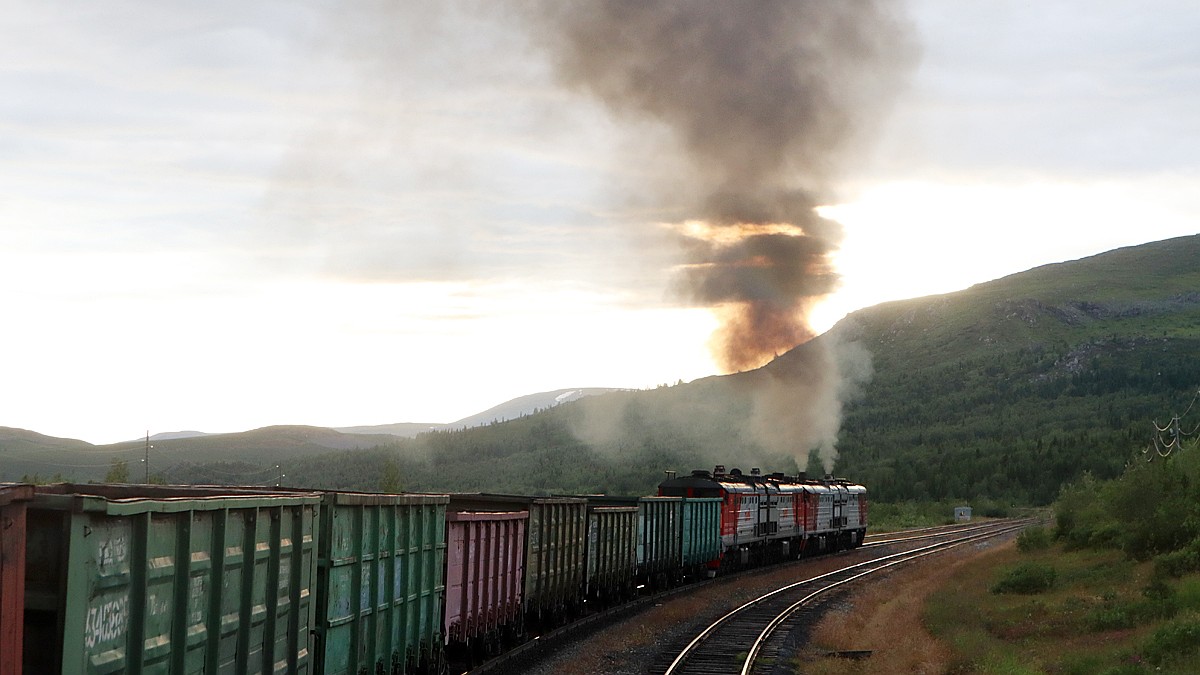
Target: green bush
1033, 539
1125, 669
1178, 563
1026, 578
1110, 618
1151, 512
1179, 638
1159, 603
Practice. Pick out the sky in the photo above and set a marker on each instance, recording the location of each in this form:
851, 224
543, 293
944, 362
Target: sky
221, 216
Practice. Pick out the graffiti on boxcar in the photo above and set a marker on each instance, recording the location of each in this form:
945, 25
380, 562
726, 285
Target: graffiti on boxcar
112, 551
106, 622
285, 577
197, 600
397, 578
364, 588
156, 606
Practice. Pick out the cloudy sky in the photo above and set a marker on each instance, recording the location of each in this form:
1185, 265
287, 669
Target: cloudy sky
226, 215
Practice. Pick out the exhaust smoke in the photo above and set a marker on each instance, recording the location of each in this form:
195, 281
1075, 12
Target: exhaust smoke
761, 104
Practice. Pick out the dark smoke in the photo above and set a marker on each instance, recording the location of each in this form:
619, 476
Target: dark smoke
763, 101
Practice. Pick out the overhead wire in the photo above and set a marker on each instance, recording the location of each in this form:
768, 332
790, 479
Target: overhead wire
1164, 448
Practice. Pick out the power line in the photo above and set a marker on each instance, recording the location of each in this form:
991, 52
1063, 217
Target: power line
1171, 436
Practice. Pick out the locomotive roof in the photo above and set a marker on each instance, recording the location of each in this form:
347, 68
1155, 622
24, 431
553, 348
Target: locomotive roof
705, 479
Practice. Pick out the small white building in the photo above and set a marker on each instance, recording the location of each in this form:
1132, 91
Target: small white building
962, 514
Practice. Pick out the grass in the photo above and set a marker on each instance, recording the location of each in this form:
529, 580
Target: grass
893, 516
1102, 614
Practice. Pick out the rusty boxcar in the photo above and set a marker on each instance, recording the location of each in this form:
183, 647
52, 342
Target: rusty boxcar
13, 498
485, 581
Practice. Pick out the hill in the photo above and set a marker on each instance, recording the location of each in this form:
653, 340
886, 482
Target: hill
24, 452
1004, 390
1012, 387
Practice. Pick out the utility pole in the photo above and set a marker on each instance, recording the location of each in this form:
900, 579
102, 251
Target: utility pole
146, 461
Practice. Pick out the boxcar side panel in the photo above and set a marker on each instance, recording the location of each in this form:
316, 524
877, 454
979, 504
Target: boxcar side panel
203, 582
660, 534
485, 560
12, 575
701, 538
381, 579
611, 550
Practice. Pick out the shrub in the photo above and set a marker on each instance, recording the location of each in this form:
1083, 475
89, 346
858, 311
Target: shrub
1033, 539
1187, 593
1158, 603
994, 510
1151, 510
1178, 563
1027, 579
1109, 618
1175, 639
1125, 669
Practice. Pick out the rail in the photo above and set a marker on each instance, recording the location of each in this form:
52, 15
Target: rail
740, 624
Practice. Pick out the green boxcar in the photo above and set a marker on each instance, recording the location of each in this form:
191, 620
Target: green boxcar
701, 532
381, 583
675, 535
660, 523
142, 579
611, 551
555, 567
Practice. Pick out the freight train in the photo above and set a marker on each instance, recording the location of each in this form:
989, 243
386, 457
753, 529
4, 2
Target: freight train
217, 579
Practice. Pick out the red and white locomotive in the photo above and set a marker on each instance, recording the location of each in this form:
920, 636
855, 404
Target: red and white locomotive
773, 517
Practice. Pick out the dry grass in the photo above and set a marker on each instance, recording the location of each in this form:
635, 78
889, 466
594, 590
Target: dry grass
885, 617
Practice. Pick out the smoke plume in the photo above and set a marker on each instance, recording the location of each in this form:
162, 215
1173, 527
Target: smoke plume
761, 102
798, 401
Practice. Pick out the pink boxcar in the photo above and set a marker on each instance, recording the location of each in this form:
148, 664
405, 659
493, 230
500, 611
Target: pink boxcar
485, 576
12, 574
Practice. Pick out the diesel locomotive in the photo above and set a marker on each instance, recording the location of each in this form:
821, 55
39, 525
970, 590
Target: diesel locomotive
769, 517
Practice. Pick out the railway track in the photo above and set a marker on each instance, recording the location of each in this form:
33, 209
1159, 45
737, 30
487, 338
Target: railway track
924, 534
748, 640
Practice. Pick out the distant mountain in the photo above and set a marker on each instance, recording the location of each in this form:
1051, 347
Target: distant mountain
527, 405
509, 410
176, 435
400, 429
27, 453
